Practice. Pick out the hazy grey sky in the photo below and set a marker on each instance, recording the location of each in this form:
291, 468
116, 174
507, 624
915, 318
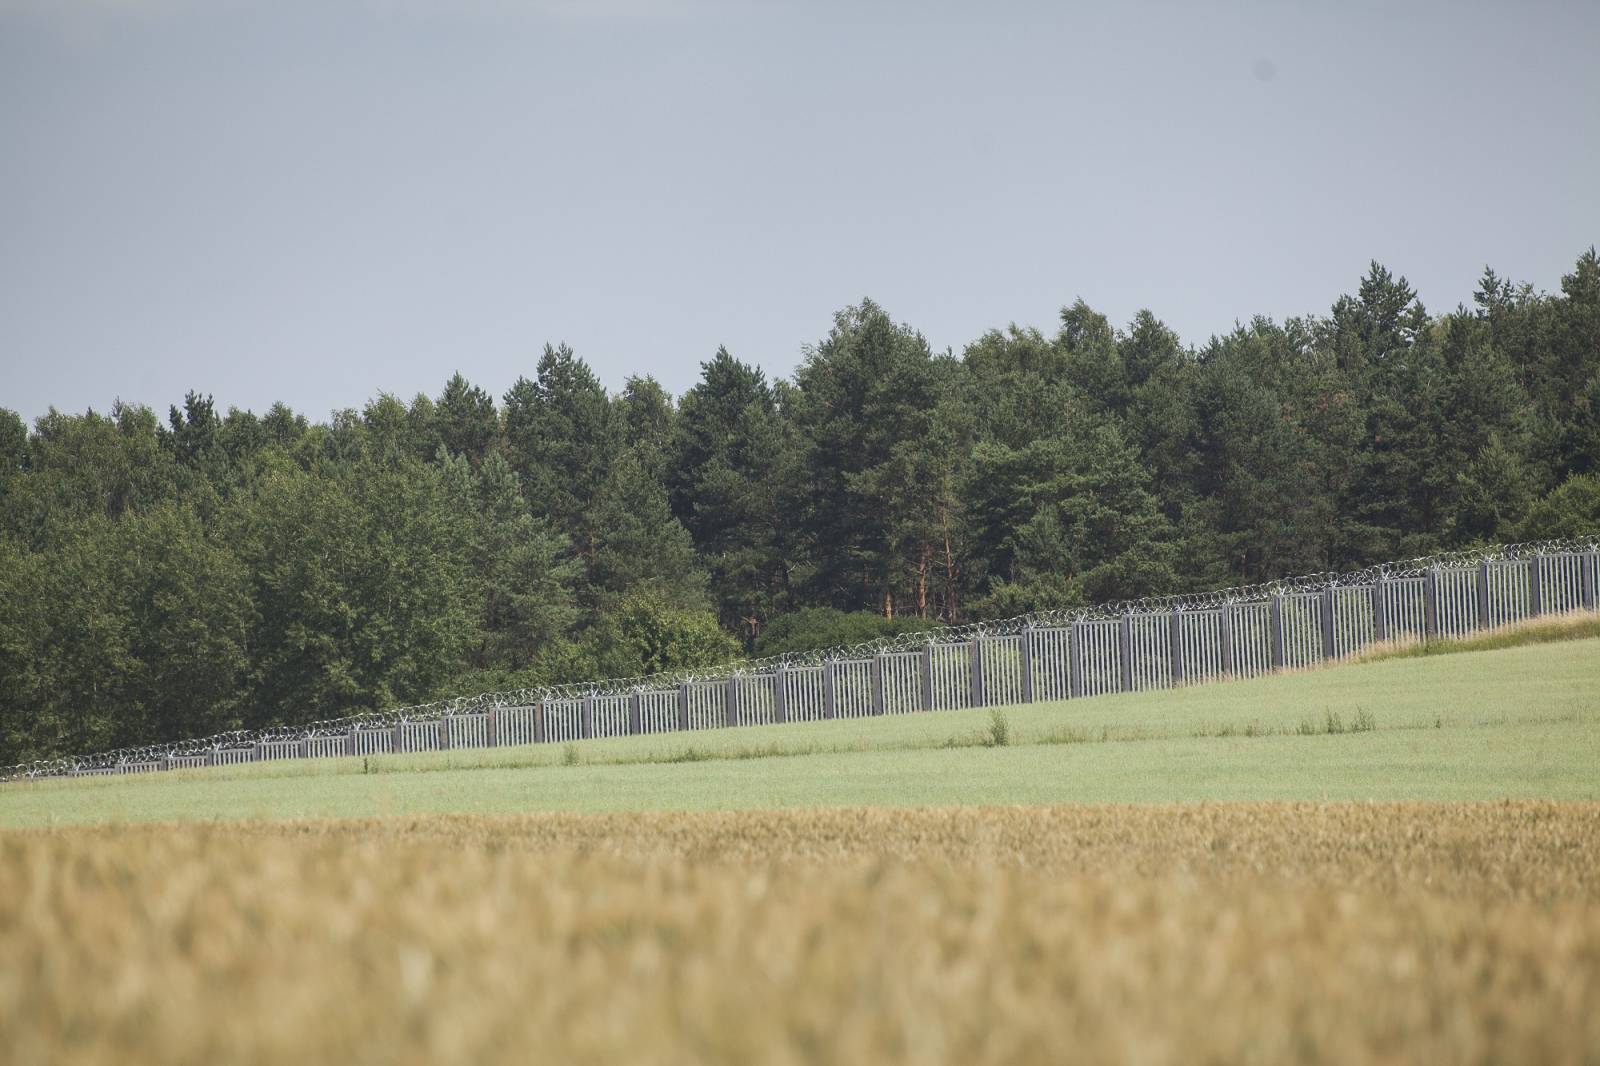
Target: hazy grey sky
313, 200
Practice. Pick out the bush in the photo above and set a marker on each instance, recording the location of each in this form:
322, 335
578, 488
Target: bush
1008, 599
646, 634
826, 627
1571, 509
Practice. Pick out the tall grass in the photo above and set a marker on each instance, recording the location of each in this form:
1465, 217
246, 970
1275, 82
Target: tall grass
1546, 629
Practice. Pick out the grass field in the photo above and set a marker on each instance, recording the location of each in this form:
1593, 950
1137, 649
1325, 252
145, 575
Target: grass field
1521, 721
1239, 933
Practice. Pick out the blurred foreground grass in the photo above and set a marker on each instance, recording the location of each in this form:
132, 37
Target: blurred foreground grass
1215, 933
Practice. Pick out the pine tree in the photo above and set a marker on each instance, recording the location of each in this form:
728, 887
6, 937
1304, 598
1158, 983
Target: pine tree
729, 483
868, 386
638, 544
562, 437
465, 420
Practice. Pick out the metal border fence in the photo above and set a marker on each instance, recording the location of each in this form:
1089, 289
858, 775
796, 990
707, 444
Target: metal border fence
1134, 646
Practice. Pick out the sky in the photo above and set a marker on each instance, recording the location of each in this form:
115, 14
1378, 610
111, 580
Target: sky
316, 201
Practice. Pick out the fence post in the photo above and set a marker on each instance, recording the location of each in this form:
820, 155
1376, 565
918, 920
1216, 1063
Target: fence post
975, 655
1536, 586
1175, 641
635, 712
540, 726
1125, 652
877, 684
830, 706
1330, 647
258, 752
1380, 609
1591, 571
1430, 603
1225, 639
683, 706
492, 727
730, 705
1025, 644
397, 741
305, 748
1275, 620
780, 695
349, 747
1483, 594
1075, 659
444, 732
927, 676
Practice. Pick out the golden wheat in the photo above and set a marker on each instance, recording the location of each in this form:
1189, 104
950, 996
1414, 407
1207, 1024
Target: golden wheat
1233, 933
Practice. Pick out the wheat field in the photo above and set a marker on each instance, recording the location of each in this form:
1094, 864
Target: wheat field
1159, 934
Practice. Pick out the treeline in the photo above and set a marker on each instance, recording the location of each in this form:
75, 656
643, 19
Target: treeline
161, 580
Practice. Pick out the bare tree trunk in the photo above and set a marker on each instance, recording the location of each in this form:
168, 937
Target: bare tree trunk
922, 580
951, 607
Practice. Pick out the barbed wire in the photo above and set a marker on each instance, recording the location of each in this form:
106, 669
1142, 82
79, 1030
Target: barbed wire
434, 711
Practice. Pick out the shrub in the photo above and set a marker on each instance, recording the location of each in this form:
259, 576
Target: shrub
826, 627
647, 634
1571, 509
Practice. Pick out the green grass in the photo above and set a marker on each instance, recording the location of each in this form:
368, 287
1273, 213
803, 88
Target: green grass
1520, 721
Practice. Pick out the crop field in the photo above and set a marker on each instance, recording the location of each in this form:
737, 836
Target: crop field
1520, 721
1191, 934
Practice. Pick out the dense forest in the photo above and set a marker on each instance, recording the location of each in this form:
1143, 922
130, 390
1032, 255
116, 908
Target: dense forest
162, 579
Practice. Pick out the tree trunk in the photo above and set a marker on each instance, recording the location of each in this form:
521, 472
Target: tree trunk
951, 610
922, 580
